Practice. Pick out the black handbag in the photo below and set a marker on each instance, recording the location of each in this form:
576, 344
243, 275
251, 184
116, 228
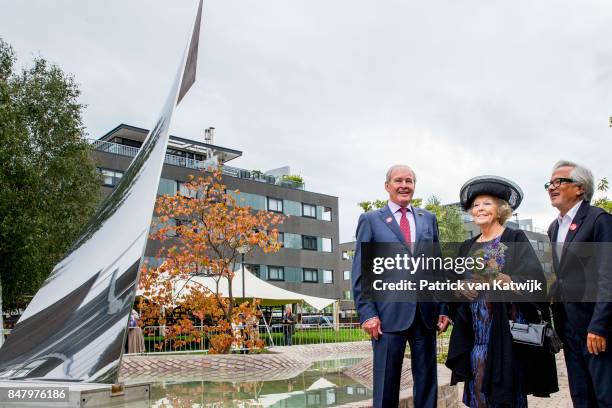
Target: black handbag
536, 334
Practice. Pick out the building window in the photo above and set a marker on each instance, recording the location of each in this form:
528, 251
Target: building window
167, 187
309, 211
254, 269
110, 177
347, 275
281, 237
311, 275
184, 191
275, 205
327, 214
309, 243
276, 273
328, 276
348, 255
347, 295
326, 244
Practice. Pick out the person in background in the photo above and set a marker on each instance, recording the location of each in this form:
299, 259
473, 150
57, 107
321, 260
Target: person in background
135, 338
288, 326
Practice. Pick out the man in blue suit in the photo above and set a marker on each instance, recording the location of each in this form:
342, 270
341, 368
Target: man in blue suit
584, 275
392, 324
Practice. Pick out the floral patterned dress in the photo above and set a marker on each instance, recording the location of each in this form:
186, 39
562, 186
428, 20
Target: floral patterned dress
481, 310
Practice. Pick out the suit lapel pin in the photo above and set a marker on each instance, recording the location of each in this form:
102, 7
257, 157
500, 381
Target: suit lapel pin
573, 227
388, 220
420, 214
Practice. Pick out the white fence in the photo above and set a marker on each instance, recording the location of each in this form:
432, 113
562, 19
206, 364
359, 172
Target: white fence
156, 340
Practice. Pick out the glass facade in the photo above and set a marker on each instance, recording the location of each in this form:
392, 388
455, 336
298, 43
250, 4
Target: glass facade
167, 187
292, 208
255, 201
293, 240
110, 178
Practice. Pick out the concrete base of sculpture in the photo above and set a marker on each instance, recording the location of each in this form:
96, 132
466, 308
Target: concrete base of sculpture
17, 394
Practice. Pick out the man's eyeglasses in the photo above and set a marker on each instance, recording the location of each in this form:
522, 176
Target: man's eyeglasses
557, 182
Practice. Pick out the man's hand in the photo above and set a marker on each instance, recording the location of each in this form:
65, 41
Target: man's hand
443, 322
372, 327
596, 344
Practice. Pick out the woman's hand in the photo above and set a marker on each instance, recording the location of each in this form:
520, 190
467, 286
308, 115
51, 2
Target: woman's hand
468, 293
504, 278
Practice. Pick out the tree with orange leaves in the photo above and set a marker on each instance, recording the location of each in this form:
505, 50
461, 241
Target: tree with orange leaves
206, 229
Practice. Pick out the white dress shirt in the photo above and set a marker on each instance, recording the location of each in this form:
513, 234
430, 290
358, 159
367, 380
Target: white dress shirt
564, 225
397, 214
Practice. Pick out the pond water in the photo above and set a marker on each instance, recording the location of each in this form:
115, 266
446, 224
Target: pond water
321, 385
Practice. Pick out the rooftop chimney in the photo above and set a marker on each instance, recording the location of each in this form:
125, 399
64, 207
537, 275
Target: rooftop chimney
209, 135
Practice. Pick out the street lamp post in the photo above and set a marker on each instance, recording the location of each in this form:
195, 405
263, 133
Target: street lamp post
243, 249
518, 226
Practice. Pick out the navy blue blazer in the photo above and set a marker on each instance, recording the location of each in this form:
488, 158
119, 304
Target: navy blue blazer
592, 225
380, 226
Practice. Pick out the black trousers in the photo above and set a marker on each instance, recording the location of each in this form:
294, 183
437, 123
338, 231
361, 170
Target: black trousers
589, 375
388, 358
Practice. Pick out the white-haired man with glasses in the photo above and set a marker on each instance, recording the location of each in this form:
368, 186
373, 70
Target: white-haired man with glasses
581, 295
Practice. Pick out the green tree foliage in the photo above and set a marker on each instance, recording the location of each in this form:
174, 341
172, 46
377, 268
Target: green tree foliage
449, 216
49, 186
450, 223
372, 205
603, 202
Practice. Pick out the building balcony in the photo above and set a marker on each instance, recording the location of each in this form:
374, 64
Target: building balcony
173, 160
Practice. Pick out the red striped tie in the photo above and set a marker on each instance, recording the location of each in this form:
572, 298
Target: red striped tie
404, 225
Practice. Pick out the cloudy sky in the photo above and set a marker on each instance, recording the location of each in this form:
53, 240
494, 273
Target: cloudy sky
340, 90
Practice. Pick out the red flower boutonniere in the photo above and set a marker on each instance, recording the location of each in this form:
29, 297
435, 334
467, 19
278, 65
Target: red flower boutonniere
388, 220
573, 227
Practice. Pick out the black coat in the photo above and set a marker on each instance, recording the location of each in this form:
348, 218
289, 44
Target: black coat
540, 377
584, 273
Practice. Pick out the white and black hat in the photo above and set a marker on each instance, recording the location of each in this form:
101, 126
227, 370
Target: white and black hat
490, 185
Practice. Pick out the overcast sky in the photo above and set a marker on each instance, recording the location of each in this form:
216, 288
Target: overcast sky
341, 90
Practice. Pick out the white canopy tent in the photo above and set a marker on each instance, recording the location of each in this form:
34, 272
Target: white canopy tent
254, 287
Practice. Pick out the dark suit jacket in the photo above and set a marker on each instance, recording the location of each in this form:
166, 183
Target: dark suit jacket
584, 273
380, 226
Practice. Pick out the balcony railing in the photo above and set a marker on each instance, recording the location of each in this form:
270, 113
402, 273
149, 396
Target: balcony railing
129, 151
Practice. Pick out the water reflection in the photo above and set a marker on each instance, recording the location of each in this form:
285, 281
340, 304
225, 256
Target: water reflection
322, 385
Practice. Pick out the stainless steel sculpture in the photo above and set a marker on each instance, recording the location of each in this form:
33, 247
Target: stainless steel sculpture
74, 329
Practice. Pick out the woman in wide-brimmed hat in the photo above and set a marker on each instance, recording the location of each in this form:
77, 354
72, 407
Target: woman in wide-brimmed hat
496, 371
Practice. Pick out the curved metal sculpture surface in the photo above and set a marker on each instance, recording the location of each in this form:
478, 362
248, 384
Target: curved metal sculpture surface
74, 328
